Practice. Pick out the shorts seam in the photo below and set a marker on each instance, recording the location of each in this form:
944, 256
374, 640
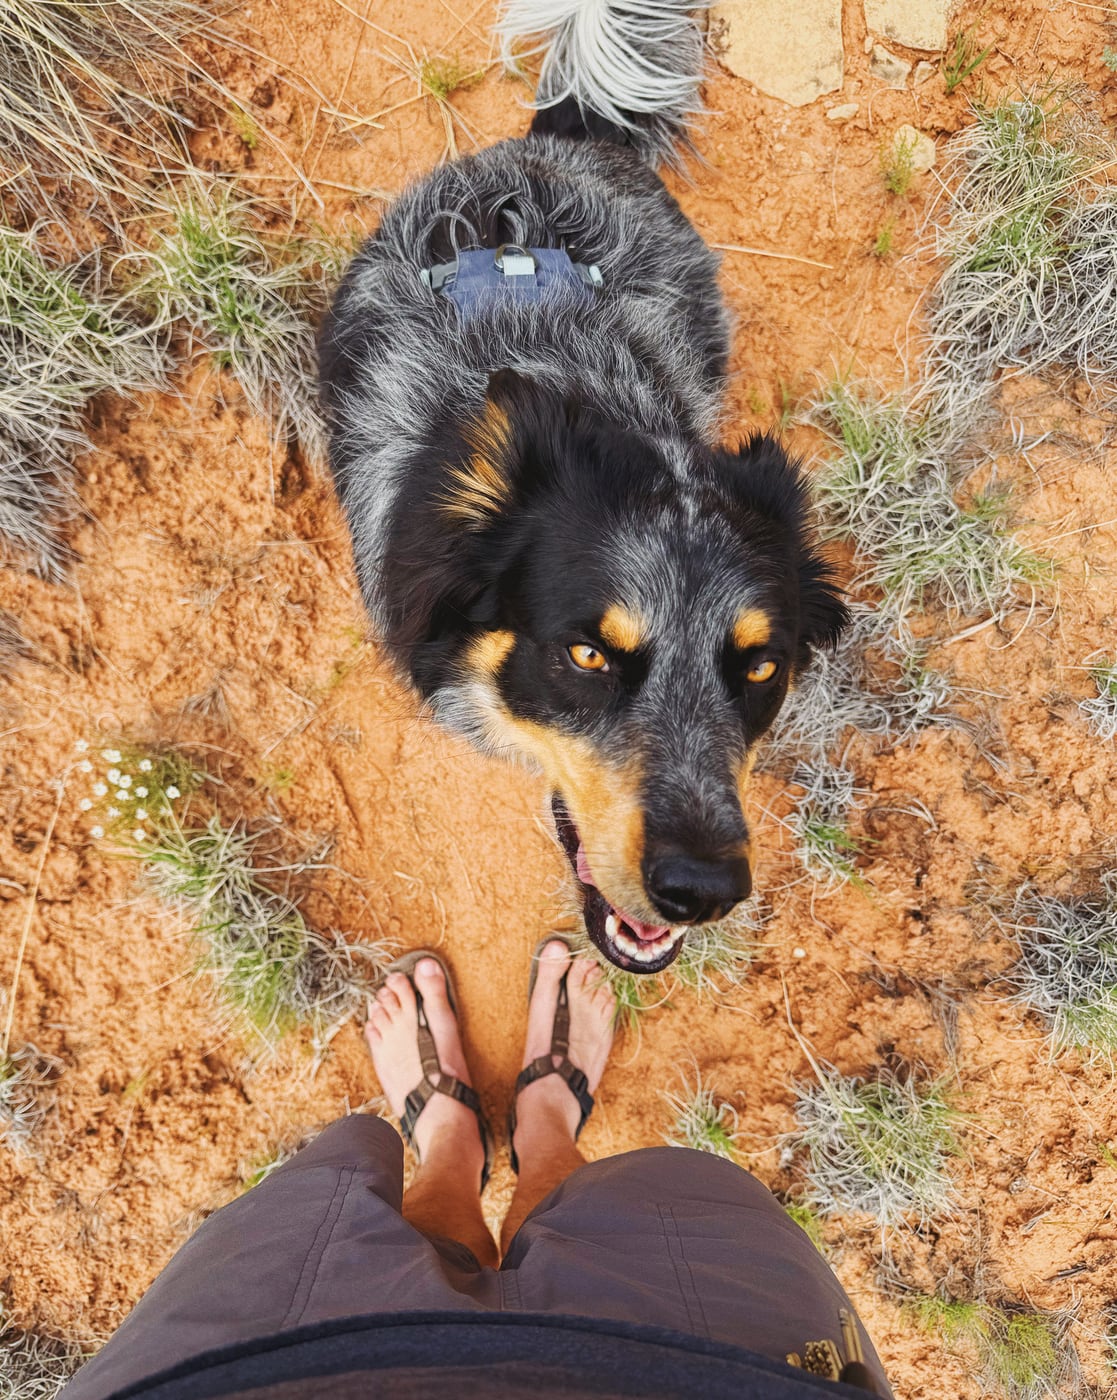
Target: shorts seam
684, 1275
327, 1224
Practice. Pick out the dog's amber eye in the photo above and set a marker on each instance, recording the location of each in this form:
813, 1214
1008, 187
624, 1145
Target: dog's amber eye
762, 671
587, 658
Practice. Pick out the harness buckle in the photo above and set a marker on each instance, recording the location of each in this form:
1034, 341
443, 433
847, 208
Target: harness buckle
513, 261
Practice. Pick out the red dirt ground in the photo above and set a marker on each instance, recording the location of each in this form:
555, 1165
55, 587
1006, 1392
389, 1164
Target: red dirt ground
209, 557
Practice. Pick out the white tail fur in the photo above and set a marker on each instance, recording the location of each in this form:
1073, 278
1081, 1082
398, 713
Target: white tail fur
637, 63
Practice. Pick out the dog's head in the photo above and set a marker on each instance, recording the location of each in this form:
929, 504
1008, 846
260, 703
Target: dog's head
628, 613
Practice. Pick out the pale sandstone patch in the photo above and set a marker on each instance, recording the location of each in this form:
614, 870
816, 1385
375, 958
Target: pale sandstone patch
796, 62
917, 24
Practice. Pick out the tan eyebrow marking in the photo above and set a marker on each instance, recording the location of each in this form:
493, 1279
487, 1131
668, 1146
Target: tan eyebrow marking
622, 629
751, 628
488, 652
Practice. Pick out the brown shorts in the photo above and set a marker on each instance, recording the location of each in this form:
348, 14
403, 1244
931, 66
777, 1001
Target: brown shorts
663, 1236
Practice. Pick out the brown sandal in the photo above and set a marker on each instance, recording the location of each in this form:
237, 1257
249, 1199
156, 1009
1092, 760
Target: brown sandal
543, 1065
453, 1088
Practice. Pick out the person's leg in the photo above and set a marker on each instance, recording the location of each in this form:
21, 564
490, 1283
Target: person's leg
443, 1199
547, 1112
685, 1240
321, 1238
665, 1236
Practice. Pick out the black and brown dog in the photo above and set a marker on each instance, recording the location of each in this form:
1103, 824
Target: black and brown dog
522, 374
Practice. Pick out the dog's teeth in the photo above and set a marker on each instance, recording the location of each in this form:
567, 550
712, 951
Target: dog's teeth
611, 925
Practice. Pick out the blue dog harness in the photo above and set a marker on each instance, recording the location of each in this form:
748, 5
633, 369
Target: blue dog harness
524, 274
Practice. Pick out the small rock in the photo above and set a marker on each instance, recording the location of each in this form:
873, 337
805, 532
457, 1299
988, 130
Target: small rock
888, 68
795, 58
916, 24
923, 71
842, 113
920, 148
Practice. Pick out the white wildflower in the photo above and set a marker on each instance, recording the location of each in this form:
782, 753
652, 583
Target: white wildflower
85, 766
172, 791
111, 755
114, 811
141, 791
123, 795
97, 832
141, 814
145, 765
99, 789
139, 834
113, 775
126, 780
82, 745
85, 804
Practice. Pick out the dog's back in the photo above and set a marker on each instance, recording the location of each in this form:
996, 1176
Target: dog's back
401, 363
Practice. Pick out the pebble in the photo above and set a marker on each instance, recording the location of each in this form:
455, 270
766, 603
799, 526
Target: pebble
921, 148
843, 113
890, 69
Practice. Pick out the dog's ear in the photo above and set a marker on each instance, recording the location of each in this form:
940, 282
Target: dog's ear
823, 615
507, 450
769, 483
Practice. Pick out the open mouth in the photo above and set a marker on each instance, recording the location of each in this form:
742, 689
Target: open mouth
628, 942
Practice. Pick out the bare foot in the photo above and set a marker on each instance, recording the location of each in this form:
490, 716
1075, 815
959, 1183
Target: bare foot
548, 1102
393, 1021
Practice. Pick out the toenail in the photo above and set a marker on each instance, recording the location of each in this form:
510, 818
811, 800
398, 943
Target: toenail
427, 966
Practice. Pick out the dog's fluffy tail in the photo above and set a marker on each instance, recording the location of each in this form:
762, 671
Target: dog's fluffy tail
625, 70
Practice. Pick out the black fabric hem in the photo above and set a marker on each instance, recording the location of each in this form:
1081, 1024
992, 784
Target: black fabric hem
285, 1342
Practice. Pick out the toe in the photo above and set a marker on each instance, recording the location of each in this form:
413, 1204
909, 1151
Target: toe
399, 995
555, 954
551, 965
386, 998
582, 971
431, 982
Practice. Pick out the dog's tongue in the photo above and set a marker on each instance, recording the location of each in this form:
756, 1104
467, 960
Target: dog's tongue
646, 933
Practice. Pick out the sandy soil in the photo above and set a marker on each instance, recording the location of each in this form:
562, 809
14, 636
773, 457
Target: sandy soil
208, 557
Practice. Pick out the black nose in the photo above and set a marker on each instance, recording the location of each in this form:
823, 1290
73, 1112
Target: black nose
688, 890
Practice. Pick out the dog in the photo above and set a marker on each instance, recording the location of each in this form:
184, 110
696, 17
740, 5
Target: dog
522, 373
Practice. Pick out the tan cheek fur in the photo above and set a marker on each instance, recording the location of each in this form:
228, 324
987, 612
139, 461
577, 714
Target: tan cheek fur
604, 801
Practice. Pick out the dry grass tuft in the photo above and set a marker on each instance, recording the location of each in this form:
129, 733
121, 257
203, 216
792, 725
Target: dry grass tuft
65, 336
701, 1120
1031, 251
27, 1080
878, 1146
34, 1366
894, 487
249, 300
1067, 970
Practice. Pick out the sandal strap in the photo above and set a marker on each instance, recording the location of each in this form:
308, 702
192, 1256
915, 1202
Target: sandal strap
428, 1054
575, 1079
453, 1088
560, 1027
422, 1094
